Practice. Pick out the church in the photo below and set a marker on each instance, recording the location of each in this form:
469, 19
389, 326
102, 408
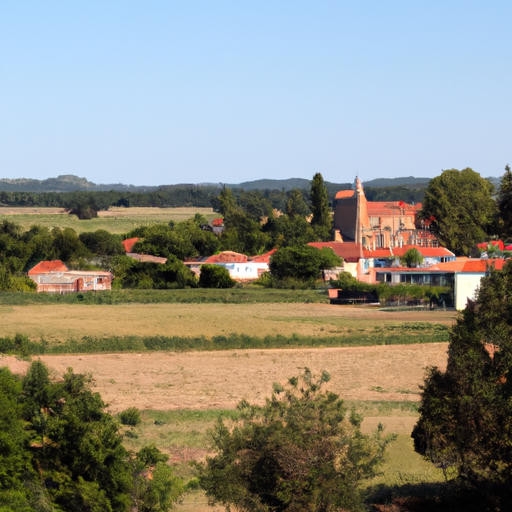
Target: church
378, 224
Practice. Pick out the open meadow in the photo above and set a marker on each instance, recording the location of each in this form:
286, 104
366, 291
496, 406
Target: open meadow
57, 323
115, 220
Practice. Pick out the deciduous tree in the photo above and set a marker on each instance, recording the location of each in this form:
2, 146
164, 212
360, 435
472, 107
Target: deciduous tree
461, 209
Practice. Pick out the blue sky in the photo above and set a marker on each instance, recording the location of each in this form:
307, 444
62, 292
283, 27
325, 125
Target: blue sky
159, 92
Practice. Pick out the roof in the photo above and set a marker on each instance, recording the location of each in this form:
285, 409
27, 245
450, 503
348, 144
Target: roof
343, 194
263, 258
218, 222
385, 208
227, 257
129, 243
44, 267
349, 251
146, 258
464, 266
378, 253
426, 252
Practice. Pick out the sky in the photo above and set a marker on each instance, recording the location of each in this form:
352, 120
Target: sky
161, 92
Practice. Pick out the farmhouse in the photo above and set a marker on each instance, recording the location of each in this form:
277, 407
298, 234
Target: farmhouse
55, 277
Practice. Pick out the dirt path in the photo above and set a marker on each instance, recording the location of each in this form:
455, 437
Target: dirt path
202, 380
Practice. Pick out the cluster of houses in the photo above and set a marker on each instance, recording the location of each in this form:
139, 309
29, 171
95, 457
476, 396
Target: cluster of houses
370, 237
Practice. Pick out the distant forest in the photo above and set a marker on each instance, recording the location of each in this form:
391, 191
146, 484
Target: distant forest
71, 192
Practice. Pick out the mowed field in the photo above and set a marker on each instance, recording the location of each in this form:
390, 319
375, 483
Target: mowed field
60, 322
115, 220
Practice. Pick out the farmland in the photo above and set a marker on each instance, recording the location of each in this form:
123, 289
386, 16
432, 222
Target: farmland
115, 220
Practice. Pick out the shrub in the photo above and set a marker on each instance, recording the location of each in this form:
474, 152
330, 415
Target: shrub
215, 276
130, 416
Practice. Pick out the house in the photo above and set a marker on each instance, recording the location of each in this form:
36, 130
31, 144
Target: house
44, 267
62, 280
218, 225
129, 243
239, 266
461, 276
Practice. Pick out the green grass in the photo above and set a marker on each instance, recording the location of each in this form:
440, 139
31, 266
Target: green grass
186, 296
112, 344
184, 434
125, 220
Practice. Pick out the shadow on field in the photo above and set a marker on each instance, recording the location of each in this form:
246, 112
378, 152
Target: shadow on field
452, 496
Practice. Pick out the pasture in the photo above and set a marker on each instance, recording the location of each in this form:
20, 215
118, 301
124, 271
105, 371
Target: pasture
58, 323
115, 220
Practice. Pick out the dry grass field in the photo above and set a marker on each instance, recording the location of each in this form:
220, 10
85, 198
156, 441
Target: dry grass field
220, 379
58, 322
115, 220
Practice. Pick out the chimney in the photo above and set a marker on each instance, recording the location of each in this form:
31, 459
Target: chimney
337, 236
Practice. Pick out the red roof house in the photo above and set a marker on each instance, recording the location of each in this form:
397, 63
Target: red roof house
44, 267
129, 243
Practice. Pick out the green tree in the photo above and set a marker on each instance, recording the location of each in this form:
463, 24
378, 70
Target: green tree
215, 276
322, 218
461, 208
504, 203
297, 452
465, 420
411, 258
296, 204
302, 262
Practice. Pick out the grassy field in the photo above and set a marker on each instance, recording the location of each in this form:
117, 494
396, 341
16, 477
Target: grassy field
115, 220
58, 323
246, 295
184, 436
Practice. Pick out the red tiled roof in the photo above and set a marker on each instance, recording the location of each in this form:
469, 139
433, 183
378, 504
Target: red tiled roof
469, 265
218, 222
48, 266
342, 194
349, 251
385, 208
226, 257
378, 253
263, 258
129, 243
426, 252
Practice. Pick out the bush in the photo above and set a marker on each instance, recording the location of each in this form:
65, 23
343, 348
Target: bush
215, 276
299, 451
130, 416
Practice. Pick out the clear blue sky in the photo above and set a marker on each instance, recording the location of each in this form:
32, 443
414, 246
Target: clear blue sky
156, 92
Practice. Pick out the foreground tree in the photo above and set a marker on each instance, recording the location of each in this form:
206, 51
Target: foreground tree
60, 450
461, 209
296, 453
466, 412
322, 218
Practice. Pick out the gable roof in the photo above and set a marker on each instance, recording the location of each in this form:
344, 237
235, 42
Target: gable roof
263, 258
470, 265
44, 267
129, 243
349, 251
227, 257
342, 194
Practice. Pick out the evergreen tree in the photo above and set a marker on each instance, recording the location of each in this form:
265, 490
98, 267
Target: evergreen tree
322, 218
504, 203
465, 420
298, 452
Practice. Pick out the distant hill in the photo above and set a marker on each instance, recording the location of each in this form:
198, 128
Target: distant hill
64, 183
408, 182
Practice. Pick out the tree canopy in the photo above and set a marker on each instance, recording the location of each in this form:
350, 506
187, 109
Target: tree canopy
504, 203
60, 451
297, 452
461, 209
